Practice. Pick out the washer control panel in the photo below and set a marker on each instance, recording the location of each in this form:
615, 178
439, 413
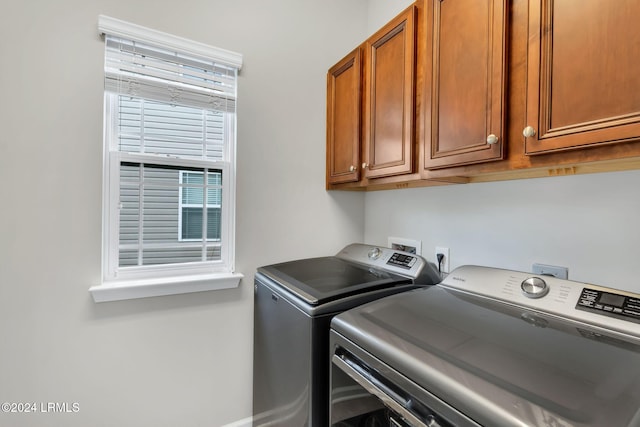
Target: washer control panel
391, 260
610, 304
402, 260
596, 305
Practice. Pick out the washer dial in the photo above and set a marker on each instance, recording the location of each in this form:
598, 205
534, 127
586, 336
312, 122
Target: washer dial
534, 287
374, 253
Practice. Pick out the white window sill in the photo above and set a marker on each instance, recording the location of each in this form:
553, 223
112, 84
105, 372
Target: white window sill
122, 290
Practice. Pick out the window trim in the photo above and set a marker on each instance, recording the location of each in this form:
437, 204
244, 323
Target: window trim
165, 279
127, 30
131, 289
113, 273
182, 205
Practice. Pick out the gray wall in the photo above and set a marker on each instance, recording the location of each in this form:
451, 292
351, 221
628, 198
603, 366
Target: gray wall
169, 361
587, 223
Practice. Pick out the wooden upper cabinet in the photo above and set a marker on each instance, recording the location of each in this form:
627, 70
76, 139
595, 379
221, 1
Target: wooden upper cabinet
389, 98
344, 97
583, 79
465, 82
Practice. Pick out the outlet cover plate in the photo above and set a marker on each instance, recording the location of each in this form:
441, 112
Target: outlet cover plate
550, 270
406, 245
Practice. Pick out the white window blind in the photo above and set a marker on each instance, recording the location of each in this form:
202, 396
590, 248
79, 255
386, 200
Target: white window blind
143, 71
169, 122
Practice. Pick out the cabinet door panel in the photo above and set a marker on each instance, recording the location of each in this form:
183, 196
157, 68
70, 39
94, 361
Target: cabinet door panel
389, 98
583, 73
343, 119
462, 94
387, 101
465, 75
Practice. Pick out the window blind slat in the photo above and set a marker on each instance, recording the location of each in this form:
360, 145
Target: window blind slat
172, 93
151, 127
169, 67
179, 78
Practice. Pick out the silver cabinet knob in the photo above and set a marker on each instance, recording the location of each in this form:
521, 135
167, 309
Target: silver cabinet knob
492, 139
364, 165
352, 168
528, 132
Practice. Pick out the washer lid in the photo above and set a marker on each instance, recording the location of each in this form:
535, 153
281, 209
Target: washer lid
321, 280
499, 364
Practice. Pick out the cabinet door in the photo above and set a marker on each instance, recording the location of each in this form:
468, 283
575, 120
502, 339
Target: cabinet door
389, 98
344, 96
465, 82
583, 80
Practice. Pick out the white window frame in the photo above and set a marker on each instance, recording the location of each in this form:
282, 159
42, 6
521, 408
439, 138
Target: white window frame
182, 205
166, 279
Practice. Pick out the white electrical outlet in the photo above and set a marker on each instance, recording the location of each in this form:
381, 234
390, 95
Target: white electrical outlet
405, 245
444, 265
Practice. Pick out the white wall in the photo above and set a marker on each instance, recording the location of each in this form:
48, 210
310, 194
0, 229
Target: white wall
379, 12
586, 223
168, 361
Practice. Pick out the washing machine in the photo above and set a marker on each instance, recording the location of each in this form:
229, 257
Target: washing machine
293, 307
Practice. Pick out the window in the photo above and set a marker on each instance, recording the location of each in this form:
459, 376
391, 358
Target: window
169, 164
192, 223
